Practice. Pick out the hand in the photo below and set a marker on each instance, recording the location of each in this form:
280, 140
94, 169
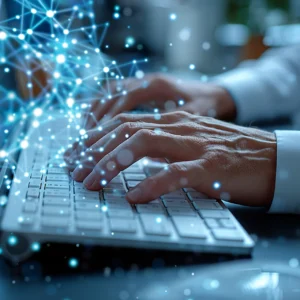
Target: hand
167, 94
218, 159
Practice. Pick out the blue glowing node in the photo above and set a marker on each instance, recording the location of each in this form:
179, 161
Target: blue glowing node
35, 247
173, 17
130, 41
1, 251
73, 263
192, 67
12, 240
216, 185
116, 15
181, 102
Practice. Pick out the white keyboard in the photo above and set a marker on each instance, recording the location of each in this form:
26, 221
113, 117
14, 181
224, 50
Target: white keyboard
48, 206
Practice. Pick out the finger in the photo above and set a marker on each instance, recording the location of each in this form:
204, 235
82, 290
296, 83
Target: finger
98, 109
142, 144
111, 141
168, 118
72, 154
102, 108
172, 178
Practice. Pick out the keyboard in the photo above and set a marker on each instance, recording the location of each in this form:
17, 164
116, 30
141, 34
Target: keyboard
48, 205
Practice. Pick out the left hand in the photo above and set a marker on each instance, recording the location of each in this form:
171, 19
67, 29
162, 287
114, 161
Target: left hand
202, 152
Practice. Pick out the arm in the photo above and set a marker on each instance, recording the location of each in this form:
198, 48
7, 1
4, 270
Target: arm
268, 89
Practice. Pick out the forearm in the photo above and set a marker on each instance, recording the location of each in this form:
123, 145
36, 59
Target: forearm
268, 89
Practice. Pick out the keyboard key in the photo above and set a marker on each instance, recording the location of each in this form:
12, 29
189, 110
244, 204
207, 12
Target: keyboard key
80, 189
122, 225
36, 175
181, 211
120, 213
55, 222
30, 207
116, 201
156, 225
214, 214
150, 208
227, 234
174, 195
117, 179
212, 223
39, 167
207, 204
189, 227
176, 203
31, 199
55, 211
87, 225
87, 196
57, 185
56, 201
33, 192
87, 206
196, 196
58, 178
57, 193
112, 185
114, 192
119, 205
227, 223
26, 220
87, 216
134, 177
57, 171
35, 183
132, 184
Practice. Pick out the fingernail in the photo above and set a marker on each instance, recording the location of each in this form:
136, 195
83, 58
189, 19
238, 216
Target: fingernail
134, 195
89, 181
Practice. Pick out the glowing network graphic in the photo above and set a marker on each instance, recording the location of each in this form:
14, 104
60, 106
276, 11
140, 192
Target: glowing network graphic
56, 55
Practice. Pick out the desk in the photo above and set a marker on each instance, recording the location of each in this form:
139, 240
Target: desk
277, 241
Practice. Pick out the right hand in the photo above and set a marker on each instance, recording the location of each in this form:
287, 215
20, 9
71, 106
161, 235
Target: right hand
165, 93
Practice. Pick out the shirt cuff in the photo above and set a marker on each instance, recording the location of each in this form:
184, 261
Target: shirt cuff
248, 93
287, 188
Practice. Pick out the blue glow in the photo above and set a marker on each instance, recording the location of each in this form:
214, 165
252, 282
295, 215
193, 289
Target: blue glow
216, 185
12, 240
35, 246
116, 15
1, 251
73, 262
173, 17
181, 102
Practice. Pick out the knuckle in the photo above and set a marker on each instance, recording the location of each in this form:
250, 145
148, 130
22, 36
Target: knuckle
178, 170
127, 127
144, 134
159, 81
182, 114
122, 118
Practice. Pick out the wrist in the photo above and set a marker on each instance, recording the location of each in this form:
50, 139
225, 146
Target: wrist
226, 105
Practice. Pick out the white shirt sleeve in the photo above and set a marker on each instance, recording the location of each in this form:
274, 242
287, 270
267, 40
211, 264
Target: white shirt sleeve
287, 188
268, 89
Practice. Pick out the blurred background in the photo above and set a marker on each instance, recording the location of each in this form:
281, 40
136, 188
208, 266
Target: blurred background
208, 36
197, 38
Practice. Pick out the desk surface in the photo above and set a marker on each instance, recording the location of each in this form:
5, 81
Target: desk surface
278, 244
